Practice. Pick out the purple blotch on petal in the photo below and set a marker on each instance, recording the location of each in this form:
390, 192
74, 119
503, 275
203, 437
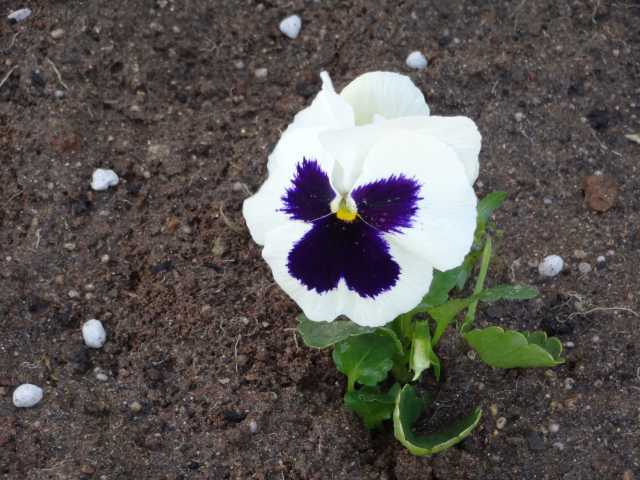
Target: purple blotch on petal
388, 204
310, 194
353, 251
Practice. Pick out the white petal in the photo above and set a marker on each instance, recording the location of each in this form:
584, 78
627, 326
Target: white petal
459, 133
262, 210
388, 94
443, 227
328, 109
415, 278
349, 147
412, 284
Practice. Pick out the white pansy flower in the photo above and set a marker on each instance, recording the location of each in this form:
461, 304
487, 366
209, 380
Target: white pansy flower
366, 195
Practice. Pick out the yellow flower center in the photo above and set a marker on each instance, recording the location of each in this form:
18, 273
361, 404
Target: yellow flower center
345, 213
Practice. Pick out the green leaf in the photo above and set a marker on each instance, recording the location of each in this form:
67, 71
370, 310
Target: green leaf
409, 406
325, 334
441, 285
373, 406
466, 268
551, 345
512, 349
485, 209
365, 359
403, 326
446, 313
435, 364
422, 355
391, 333
420, 358
488, 205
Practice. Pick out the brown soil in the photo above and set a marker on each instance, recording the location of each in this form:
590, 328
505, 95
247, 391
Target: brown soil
164, 93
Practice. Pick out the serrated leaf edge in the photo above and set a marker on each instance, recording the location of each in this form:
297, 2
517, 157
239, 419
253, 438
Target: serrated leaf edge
555, 360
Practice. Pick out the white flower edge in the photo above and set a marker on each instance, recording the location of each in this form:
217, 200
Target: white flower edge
326, 132
441, 237
386, 94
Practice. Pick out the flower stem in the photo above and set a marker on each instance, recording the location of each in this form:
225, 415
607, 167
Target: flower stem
482, 275
351, 383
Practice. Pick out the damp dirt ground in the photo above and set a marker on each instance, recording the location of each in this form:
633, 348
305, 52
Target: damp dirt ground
205, 378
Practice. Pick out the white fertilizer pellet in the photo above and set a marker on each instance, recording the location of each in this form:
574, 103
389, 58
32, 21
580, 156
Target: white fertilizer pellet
19, 15
27, 395
291, 26
94, 333
551, 266
417, 61
103, 179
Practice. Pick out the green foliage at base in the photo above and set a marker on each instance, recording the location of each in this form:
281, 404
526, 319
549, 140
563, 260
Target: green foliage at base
405, 349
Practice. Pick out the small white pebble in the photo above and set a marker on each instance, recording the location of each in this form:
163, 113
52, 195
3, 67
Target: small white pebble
569, 344
501, 423
584, 267
417, 60
19, 15
595, 339
547, 201
551, 266
291, 26
73, 293
261, 72
601, 259
104, 258
27, 395
101, 377
558, 446
70, 246
59, 94
519, 116
253, 426
93, 333
103, 179
554, 427
135, 407
57, 34
569, 383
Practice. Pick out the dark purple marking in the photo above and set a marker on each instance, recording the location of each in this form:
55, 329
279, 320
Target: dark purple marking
310, 195
334, 249
354, 251
389, 204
